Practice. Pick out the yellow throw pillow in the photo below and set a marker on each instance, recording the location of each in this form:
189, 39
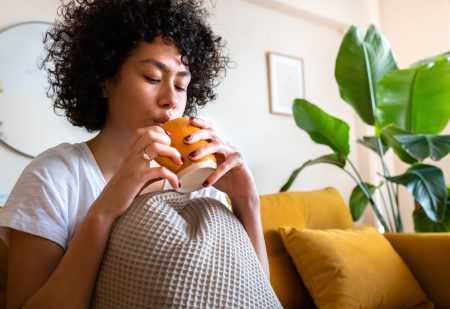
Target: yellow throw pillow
352, 268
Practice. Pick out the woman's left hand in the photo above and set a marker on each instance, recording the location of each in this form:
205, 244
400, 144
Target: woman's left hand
232, 175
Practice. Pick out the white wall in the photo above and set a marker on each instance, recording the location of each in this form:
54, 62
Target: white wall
272, 144
12, 12
416, 29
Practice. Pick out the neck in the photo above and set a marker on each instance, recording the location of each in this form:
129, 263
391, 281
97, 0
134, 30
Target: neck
109, 148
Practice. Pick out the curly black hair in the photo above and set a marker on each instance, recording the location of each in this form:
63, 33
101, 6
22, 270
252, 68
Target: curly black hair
93, 38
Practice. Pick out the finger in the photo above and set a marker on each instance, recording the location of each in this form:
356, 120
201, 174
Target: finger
149, 137
139, 133
161, 172
147, 184
157, 149
200, 122
208, 135
215, 147
203, 151
231, 162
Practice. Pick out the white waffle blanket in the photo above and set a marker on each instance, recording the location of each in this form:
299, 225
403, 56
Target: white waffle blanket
171, 251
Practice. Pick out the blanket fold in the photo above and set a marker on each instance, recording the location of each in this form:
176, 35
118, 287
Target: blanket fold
170, 250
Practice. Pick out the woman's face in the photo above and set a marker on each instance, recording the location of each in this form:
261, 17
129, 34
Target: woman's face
150, 88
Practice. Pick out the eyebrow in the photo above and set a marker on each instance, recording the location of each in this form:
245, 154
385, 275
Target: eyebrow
163, 67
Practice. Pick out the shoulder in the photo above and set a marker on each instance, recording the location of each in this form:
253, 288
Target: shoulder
58, 163
40, 200
51, 172
63, 155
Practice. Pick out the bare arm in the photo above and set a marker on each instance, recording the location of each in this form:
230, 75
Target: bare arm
233, 177
42, 275
248, 212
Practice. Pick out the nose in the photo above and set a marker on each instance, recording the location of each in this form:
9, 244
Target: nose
168, 98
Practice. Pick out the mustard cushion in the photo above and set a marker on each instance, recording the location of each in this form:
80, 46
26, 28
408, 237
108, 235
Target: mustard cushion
311, 209
352, 268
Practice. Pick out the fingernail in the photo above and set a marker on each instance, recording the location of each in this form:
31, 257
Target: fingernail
205, 184
179, 185
188, 138
193, 154
167, 132
182, 159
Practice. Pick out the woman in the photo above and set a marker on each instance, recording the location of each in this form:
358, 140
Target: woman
121, 68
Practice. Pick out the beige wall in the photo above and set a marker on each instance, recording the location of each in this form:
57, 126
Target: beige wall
272, 144
416, 29
12, 12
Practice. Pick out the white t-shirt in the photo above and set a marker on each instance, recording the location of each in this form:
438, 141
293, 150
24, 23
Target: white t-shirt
55, 191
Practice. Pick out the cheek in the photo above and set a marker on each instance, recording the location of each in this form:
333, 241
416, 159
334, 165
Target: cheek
138, 93
182, 105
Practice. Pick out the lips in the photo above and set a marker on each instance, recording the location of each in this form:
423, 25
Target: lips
161, 121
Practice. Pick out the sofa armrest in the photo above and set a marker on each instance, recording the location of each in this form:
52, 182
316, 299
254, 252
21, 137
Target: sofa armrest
428, 257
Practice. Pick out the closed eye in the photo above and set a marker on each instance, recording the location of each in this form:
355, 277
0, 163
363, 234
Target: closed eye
180, 89
152, 80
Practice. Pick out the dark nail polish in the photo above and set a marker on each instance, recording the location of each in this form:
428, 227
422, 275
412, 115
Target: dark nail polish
188, 138
193, 154
179, 185
167, 132
205, 184
182, 159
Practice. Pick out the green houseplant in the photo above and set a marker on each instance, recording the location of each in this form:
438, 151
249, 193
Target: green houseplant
407, 109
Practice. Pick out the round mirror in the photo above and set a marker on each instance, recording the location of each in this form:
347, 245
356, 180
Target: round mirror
28, 124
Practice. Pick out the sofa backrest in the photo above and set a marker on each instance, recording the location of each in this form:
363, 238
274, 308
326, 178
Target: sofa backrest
321, 209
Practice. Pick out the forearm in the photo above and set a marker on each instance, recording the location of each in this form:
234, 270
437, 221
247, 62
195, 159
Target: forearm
72, 282
248, 212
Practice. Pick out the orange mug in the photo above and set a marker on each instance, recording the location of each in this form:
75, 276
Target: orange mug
193, 173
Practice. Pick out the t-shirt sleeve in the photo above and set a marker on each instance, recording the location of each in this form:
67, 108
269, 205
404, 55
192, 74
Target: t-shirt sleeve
38, 202
215, 194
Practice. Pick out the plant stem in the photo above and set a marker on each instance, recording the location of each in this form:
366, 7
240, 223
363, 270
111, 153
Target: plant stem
371, 201
392, 220
391, 193
389, 219
373, 103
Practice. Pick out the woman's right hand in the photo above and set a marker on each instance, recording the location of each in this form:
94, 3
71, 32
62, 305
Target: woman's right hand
135, 172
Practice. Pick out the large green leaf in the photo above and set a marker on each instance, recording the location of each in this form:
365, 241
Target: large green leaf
322, 127
334, 159
359, 201
426, 183
360, 64
416, 99
422, 146
431, 60
372, 143
389, 136
423, 224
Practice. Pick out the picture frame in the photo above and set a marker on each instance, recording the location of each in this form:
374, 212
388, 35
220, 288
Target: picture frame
286, 82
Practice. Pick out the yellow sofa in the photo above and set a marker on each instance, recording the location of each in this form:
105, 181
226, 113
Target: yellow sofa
427, 255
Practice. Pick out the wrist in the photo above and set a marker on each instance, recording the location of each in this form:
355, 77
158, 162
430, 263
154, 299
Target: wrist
100, 213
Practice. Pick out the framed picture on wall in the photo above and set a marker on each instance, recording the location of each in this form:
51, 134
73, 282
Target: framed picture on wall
286, 82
